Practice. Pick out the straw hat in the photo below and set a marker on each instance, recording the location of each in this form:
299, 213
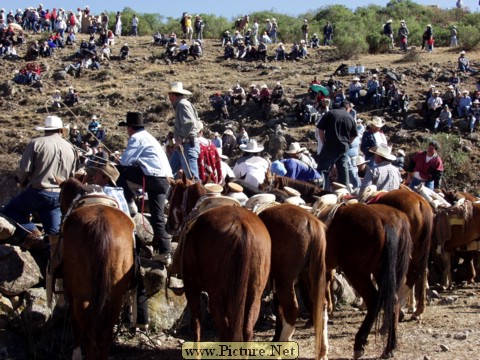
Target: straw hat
177, 88
259, 199
360, 160
251, 146
295, 148
107, 168
51, 123
384, 151
377, 121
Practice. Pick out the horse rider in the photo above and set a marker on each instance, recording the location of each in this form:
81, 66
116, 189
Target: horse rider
46, 159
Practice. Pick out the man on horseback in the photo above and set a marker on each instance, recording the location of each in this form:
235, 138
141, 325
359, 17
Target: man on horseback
144, 162
45, 159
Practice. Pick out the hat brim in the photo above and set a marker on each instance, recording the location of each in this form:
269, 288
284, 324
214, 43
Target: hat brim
181, 92
122, 123
43, 128
390, 157
302, 149
256, 150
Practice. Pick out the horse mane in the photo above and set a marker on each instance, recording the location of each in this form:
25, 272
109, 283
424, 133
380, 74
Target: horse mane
306, 189
70, 189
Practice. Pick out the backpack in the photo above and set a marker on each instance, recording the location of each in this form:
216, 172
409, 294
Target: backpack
209, 164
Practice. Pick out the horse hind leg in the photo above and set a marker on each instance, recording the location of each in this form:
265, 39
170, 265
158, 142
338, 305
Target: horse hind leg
193, 299
287, 313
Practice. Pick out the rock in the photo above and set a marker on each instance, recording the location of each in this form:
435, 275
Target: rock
413, 121
343, 292
447, 301
273, 111
461, 336
165, 313
444, 348
6, 311
7, 227
9, 88
60, 75
143, 228
13, 346
34, 312
154, 276
18, 270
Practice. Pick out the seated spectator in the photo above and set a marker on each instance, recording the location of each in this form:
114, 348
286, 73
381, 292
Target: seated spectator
264, 97
251, 53
302, 50
219, 105
449, 96
196, 50
183, 51
236, 38
241, 49
474, 115
75, 69
158, 38
105, 52
110, 38
124, 52
254, 93
295, 52
354, 90
464, 104
57, 98
229, 142
314, 41
45, 50
229, 51
277, 93
238, 95
464, 64
75, 137
33, 51
242, 138
444, 118
217, 141
72, 97
262, 51
280, 53
173, 38
226, 38
70, 38
265, 38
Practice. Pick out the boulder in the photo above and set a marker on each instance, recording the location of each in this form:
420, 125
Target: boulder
143, 228
414, 121
60, 75
7, 227
9, 88
34, 312
6, 311
18, 270
343, 292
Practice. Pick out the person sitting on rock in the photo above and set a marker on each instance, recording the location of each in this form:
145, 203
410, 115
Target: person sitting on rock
218, 103
254, 93
226, 38
444, 118
264, 97
45, 50
277, 93
196, 50
464, 104
105, 52
280, 52
474, 115
238, 95
314, 41
229, 51
464, 64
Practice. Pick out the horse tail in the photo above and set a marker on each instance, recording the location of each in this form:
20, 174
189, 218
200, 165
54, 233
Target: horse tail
396, 256
238, 260
317, 276
99, 233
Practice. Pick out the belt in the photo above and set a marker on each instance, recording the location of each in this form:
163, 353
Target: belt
55, 190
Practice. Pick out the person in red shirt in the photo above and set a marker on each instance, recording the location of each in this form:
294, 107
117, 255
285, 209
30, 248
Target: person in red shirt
426, 167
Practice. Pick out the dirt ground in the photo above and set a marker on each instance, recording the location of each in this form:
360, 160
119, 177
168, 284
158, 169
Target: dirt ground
449, 330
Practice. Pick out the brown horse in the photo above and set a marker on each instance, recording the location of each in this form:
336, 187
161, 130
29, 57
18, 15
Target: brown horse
420, 215
225, 252
298, 248
98, 269
241, 24
366, 240
458, 235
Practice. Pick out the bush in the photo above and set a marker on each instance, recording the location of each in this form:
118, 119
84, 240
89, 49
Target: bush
350, 46
468, 37
377, 43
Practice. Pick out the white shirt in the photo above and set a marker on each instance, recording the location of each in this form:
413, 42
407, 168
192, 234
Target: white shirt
226, 170
254, 170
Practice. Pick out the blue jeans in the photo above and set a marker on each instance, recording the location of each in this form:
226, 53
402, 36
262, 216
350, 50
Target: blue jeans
327, 159
42, 202
190, 155
416, 182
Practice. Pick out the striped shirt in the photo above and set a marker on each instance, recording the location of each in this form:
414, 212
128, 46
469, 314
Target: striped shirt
384, 175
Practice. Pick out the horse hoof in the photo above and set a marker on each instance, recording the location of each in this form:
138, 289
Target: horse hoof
401, 316
357, 354
416, 317
387, 355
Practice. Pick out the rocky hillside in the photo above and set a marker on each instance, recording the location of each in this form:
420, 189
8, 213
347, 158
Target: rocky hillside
140, 83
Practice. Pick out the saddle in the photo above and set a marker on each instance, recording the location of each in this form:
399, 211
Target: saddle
211, 202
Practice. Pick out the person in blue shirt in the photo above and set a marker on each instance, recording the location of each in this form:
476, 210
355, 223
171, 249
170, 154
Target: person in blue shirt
145, 163
295, 169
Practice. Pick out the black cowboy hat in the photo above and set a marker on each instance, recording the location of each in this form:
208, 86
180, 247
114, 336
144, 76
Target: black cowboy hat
133, 119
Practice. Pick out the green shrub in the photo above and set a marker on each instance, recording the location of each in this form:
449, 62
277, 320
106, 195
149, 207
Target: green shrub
349, 47
468, 37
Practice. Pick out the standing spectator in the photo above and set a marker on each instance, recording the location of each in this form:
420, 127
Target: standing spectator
198, 27
453, 37
229, 142
426, 37
44, 160
188, 27
274, 31
372, 138
384, 174
327, 34
135, 25
426, 167
305, 30
255, 32
268, 26
337, 129
185, 132
144, 162
474, 115
403, 35
118, 24
388, 32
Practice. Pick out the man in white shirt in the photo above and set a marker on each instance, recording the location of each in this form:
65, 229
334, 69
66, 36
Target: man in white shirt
251, 167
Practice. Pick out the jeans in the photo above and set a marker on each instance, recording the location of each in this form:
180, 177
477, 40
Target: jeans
190, 155
45, 203
416, 182
156, 188
327, 159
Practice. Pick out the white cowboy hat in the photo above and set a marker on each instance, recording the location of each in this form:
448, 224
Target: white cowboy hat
251, 146
325, 200
401, 152
291, 191
462, 52
384, 151
177, 88
377, 121
362, 92
389, 21
51, 123
259, 199
356, 78
295, 148
228, 132
213, 188
360, 160
295, 200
